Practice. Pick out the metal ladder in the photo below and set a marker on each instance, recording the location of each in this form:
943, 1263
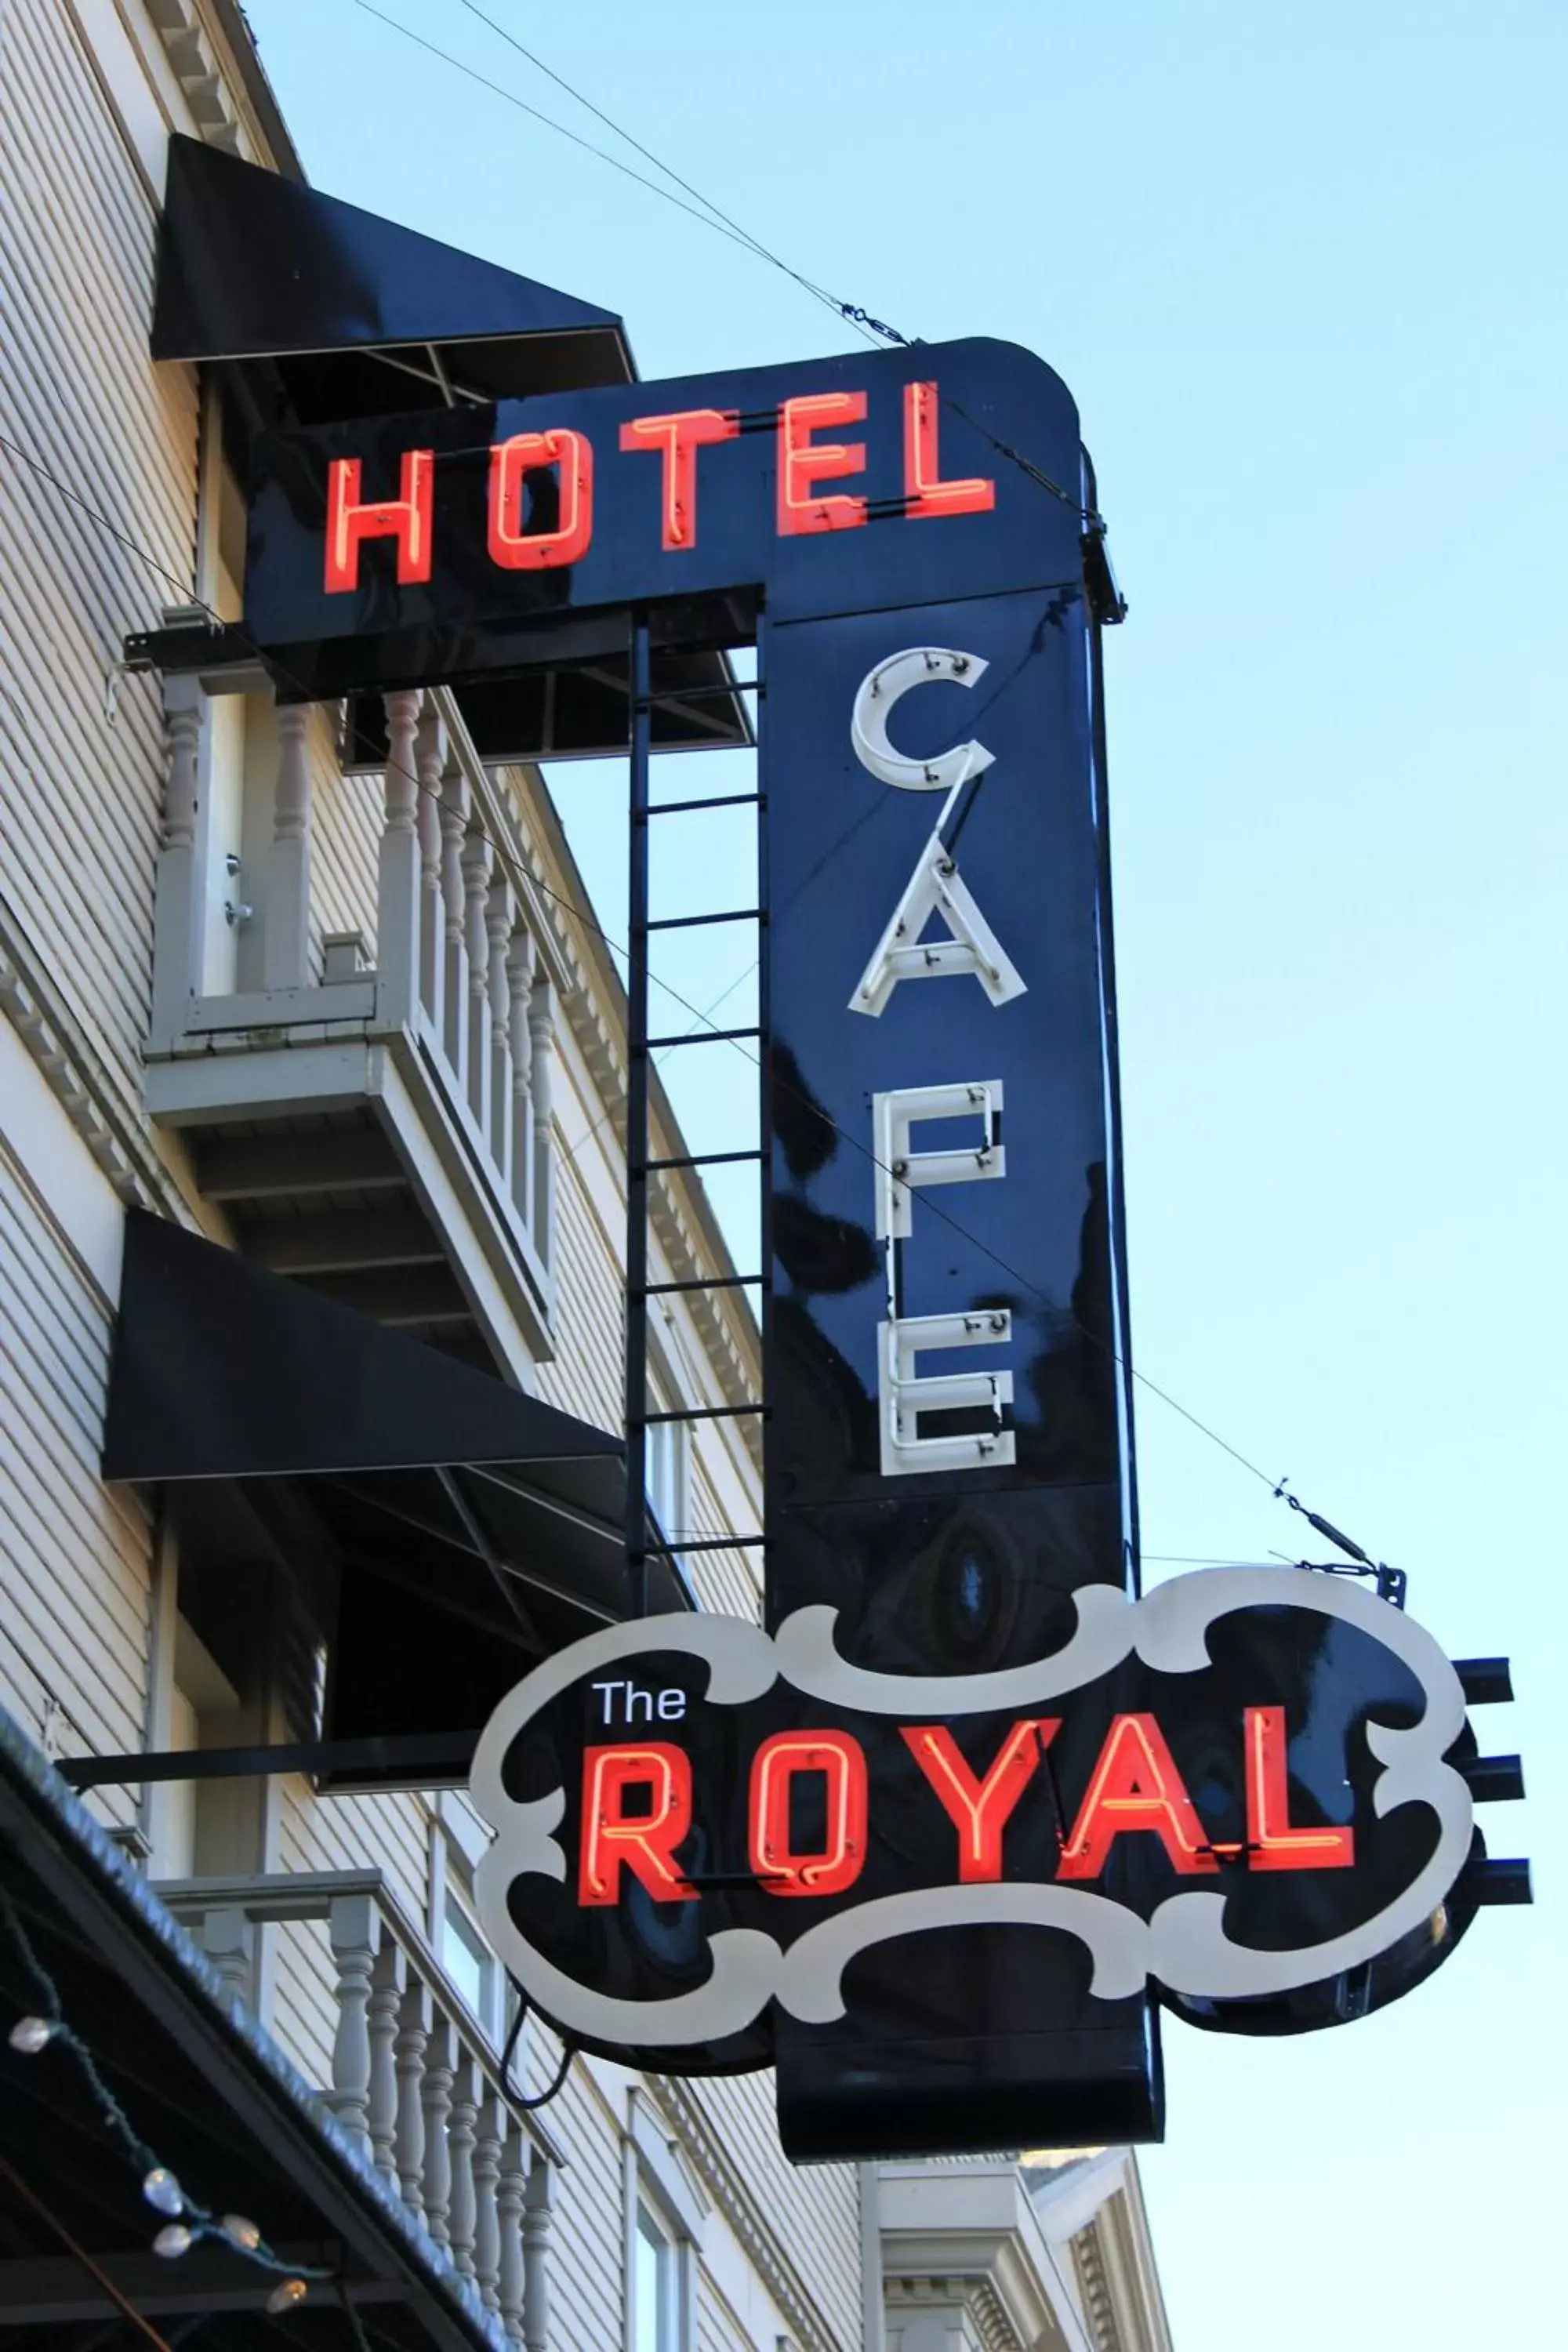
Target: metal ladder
641, 1546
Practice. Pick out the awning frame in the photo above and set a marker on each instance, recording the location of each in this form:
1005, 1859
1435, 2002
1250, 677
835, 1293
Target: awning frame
466, 1529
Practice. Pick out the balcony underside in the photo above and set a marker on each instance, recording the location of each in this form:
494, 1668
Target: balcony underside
340, 1165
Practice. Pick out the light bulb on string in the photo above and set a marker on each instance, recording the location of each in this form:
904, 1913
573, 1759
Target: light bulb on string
188, 2222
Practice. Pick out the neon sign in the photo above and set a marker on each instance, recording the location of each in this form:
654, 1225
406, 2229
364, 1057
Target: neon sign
803, 462
942, 1846
1135, 1786
1236, 1787
794, 484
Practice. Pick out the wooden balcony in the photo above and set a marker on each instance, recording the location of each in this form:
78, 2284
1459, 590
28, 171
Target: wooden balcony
416, 2084
373, 1118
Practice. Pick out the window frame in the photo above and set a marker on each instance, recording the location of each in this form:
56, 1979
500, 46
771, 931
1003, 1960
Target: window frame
458, 1924
669, 1467
650, 2230
658, 2183
450, 1909
670, 1447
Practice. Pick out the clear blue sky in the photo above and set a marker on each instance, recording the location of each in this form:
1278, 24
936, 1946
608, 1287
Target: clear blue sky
1303, 269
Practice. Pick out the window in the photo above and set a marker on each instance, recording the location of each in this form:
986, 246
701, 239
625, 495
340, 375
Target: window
472, 1968
457, 1840
663, 2217
236, 746
656, 2286
665, 1476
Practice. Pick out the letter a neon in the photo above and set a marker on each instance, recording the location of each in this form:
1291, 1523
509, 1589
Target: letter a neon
1136, 1786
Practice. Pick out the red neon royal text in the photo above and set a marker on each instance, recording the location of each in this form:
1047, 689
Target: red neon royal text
637, 1804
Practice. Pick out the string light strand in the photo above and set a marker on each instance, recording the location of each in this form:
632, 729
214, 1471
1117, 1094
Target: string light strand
51, 2220
186, 2221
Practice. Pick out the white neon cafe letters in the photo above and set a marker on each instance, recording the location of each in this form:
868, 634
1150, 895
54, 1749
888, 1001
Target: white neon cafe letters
935, 886
970, 950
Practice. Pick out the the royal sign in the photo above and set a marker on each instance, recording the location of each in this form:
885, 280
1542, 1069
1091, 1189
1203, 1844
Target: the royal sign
1239, 1789
941, 1843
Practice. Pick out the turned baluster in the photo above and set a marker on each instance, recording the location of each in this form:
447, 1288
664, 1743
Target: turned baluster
535, 2272
463, 2214
177, 919
498, 926
413, 2039
439, 2071
542, 1035
510, 2193
430, 758
519, 986
398, 877
491, 2132
386, 1988
228, 1939
476, 890
285, 887
453, 896
353, 1928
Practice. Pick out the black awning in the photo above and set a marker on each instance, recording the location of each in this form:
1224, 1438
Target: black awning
224, 1371
253, 266
318, 311
471, 1528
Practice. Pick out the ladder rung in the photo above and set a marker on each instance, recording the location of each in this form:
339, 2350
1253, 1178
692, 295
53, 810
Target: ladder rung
725, 693
694, 1159
700, 1037
706, 1412
720, 800
694, 922
705, 1543
710, 1282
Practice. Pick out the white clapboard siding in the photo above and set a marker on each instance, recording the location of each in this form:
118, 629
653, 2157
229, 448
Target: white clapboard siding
717, 2329
585, 1378
75, 1556
812, 2212
587, 2275
302, 2015
340, 1834
337, 1833
79, 796
345, 829
728, 1582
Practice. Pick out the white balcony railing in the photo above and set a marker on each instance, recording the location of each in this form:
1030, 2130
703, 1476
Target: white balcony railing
414, 2083
459, 986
